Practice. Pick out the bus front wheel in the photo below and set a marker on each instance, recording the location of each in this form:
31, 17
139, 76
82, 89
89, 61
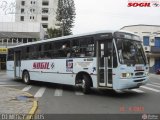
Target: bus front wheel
86, 85
26, 78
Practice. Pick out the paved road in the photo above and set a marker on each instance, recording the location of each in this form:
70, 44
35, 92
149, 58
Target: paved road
62, 99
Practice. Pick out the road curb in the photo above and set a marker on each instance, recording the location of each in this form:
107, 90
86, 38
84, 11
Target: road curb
32, 111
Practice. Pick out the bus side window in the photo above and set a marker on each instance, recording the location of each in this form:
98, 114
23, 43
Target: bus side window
57, 46
83, 47
31, 52
27, 52
47, 50
66, 49
60, 48
87, 46
38, 51
75, 47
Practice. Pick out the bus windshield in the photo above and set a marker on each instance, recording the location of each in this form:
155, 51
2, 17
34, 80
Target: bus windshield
130, 52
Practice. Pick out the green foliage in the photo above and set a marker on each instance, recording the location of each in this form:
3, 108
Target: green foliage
52, 33
65, 15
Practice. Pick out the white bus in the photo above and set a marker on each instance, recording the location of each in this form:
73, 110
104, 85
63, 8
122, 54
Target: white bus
106, 60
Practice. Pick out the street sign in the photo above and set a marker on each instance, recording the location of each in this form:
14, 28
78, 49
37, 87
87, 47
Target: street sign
3, 50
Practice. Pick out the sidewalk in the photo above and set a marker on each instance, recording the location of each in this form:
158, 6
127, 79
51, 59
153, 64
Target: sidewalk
16, 104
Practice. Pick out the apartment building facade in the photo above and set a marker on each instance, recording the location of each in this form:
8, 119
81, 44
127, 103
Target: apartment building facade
150, 36
15, 33
42, 11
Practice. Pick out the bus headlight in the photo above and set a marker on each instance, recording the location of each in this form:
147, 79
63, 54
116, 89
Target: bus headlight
126, 75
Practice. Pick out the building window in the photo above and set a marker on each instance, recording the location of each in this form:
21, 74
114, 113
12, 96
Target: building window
32, 10
45, 3
22, 10
157, 42
32, 17
146, 40
44, 18
23, 3
33, 2
22, 18
44, 10
45, 25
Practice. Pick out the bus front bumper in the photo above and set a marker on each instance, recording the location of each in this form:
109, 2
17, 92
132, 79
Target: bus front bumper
130, 83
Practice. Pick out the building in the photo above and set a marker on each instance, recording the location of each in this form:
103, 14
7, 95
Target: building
32, 19
13, 33
150, 35
42, 11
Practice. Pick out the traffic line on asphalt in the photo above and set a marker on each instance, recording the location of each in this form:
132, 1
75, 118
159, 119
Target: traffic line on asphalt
8, 85
79, 93
40, 92
137, 90
27, 88
58, 92
154, 85
148, 88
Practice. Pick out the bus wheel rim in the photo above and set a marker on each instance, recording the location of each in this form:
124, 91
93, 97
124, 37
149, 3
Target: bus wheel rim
83, 83
26, 78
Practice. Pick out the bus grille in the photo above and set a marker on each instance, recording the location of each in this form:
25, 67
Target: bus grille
139, 74
139, 80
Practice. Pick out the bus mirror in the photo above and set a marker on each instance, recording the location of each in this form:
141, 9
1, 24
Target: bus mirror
119, 44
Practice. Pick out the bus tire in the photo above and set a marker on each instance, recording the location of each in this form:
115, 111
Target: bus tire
26, 77
86, 84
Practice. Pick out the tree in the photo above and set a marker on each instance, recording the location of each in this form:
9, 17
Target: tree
65, 15
52, 33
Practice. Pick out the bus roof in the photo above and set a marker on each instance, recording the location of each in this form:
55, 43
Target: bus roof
70, 36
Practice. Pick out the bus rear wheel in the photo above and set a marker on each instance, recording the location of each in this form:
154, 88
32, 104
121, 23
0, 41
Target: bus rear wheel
86, 84
26, 78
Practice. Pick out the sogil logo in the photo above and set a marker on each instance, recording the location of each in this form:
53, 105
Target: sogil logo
143, 3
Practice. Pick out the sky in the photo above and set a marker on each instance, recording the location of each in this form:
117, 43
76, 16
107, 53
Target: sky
95, 15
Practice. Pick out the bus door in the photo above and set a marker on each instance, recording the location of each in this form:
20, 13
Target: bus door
17, 64
104, 62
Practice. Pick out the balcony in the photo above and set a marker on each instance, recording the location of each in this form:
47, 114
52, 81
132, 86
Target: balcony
155, 49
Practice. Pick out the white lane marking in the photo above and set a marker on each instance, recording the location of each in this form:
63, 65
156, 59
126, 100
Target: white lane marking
27, 88
58, 92
79, 93
40, 92
8, 85
148, 88
154, 85
138, 91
